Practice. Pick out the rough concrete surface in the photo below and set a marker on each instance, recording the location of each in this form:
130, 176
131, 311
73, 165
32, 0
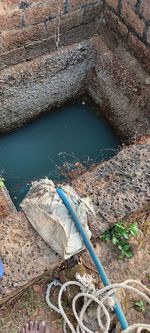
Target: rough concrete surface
118, 186
25, 255
100, 68
29, 89
120, 87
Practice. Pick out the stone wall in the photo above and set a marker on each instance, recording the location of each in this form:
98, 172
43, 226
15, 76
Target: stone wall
135, 15
120, 87
32, 88
31, 28
47, 55
131, 19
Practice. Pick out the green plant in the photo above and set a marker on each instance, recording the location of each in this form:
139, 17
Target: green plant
1, 182
139, 306
119, 235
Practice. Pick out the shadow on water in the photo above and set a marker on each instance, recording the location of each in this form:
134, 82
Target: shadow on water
71, 136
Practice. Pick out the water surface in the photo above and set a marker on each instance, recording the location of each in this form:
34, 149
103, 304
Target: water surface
73, 133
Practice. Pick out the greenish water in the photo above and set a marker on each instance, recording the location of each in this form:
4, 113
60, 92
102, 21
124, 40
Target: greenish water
71, 134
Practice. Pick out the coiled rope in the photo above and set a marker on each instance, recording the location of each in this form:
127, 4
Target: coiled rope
104, 298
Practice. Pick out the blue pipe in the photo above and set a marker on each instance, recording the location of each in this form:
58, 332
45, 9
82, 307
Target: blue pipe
117, 308
1, 269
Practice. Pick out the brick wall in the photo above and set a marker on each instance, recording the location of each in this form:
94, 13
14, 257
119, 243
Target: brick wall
135, 15
30, 28
131, 19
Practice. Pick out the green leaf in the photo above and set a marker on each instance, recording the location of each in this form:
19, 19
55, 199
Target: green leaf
119, 235
126, 247
129, 254
114, 240
140, 306
125, 234
133, 229
105, 236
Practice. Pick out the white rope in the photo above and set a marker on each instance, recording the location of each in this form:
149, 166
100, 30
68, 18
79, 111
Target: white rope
104, 298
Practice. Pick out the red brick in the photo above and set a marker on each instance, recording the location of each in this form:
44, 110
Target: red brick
145, 9
74, 4
113, 21
70, 21
51, 27
39, 48
122, 29
12, 57
78, 34
112, 3
78, 17
140, 50
9, 22
19, 38
131, 18
38, 13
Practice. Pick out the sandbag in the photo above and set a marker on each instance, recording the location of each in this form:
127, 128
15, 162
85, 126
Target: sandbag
46, 212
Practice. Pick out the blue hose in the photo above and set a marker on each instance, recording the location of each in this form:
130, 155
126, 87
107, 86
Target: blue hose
117, 308
1, 269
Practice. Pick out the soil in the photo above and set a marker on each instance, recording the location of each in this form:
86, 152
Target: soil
31, 304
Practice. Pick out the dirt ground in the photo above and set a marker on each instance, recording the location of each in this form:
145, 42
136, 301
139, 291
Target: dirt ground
31, 305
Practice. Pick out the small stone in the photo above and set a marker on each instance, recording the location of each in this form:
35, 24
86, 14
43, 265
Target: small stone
147, 80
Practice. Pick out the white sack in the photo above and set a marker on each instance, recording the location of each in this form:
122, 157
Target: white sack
48, 215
